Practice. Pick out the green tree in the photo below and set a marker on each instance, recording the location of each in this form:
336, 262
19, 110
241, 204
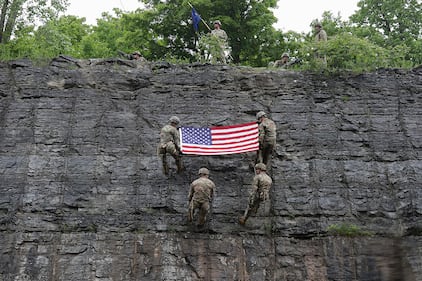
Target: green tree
247, 23
57, 36
398, 21
123, 31
20, 12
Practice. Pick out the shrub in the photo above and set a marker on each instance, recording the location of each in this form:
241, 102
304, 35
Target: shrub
347, 229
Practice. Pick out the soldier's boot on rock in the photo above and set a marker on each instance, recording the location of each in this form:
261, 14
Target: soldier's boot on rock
190, 215
179, 165
242, 219
202, 220
165, 168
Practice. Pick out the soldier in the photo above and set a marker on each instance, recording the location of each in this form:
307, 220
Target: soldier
137, 56
283, 62
170, 143
321, 36
222, 36
200, 196
260, 192
267, 138
217, 31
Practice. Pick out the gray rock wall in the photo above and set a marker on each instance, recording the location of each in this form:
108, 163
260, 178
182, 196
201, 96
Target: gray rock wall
82, 196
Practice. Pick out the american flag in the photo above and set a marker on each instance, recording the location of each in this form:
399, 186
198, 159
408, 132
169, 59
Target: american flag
219, 140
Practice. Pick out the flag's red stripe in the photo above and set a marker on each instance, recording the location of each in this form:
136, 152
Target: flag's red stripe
202, 152
234, 131
234, 134
234, 126
228, 138
219, 147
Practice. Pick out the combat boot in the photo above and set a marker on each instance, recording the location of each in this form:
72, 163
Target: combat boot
202, 220
242, 220
165, 168
179, 165
190, 216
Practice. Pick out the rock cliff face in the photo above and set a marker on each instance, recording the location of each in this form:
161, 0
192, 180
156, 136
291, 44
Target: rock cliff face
82, 195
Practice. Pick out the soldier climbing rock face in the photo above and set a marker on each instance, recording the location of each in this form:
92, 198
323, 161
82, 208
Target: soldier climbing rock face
200, 196
170, 143
267, 138
260, 192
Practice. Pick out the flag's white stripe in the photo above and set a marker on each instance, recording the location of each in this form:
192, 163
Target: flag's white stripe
232, 140
235, 139
212, 149
218, 146
234, 135
251, 127
201, 152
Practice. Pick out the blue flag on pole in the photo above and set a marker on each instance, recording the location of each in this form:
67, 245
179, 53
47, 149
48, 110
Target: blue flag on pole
196, 18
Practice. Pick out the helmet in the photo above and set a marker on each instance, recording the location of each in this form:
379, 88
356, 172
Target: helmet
260, 114
260, 166
174, 120
317, 23
217, 22
203, 171
136, 53
285, 55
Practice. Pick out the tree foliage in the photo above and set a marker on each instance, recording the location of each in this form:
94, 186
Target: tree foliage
14, 13
58, 36
380, 34
247, 23
397, 22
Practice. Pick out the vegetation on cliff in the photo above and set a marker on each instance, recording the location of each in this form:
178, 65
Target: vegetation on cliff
376, 36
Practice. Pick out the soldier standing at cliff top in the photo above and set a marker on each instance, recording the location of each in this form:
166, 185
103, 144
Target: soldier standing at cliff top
320, 36
260, 192
222, 36
267, 138
170, 143
200, 196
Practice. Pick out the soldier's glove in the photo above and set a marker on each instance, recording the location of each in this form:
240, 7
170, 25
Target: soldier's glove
263, 196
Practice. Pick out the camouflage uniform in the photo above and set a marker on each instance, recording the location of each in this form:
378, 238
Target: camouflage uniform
222, 36
170, 143
267, 138
260, 192
200, 196
321, 36
283, 62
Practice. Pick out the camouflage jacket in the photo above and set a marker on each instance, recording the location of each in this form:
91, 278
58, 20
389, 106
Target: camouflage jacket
261, 183
267, 131
168, 134
220, 34
321, 36
201, 190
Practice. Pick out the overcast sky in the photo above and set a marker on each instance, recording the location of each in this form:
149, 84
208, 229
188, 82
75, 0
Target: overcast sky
293, 15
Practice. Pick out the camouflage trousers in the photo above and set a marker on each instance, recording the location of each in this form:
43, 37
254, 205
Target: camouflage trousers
264, 153
255, 199
169, 148
204, 209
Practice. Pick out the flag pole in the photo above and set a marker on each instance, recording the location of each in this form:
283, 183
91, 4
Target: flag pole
201, 18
